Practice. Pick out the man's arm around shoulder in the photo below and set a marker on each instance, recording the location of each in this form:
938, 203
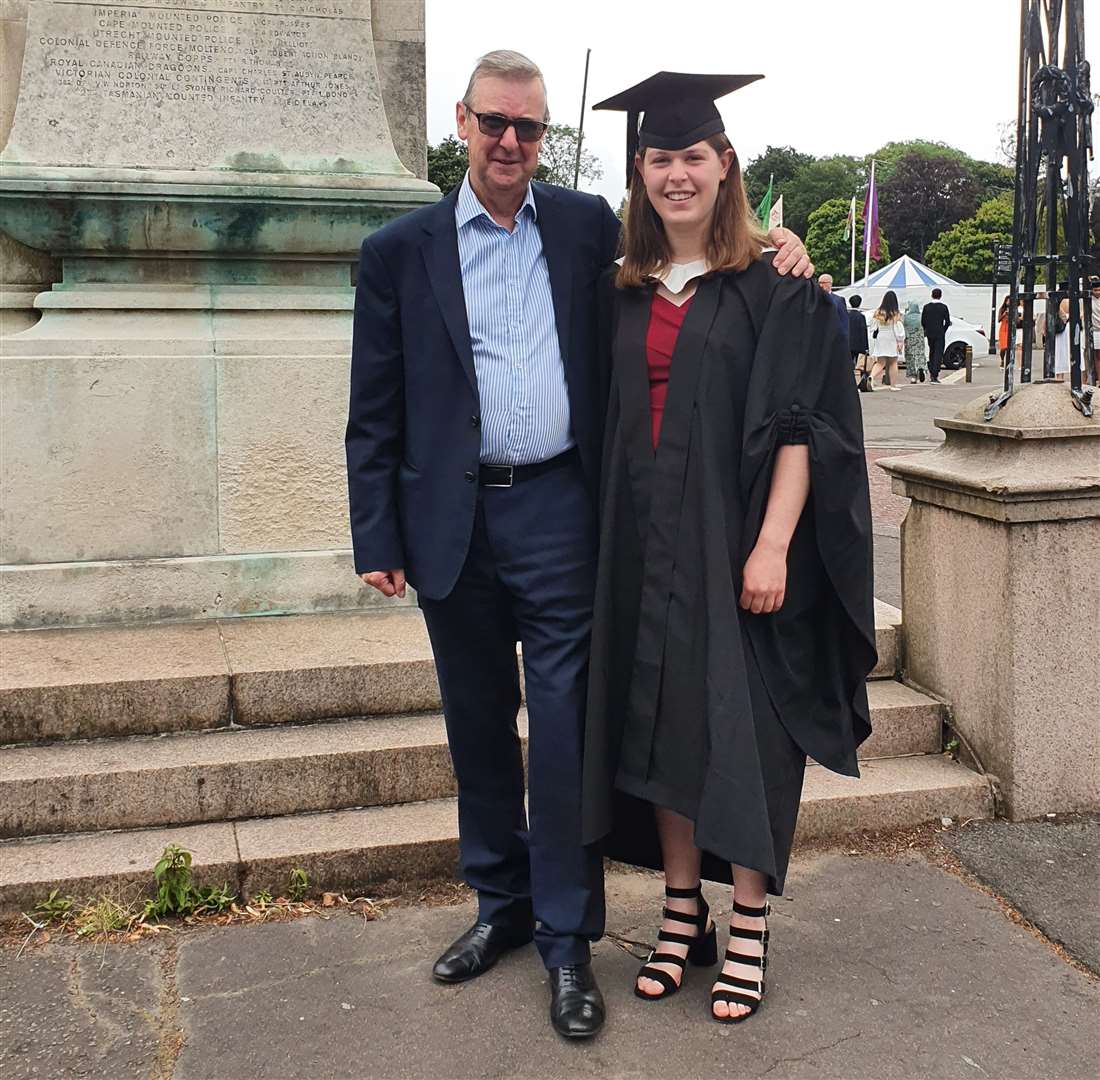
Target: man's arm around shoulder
376, 416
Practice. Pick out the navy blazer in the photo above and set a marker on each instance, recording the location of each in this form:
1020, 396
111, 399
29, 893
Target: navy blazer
413, 437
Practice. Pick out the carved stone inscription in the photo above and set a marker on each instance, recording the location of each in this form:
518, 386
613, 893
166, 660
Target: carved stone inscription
265, 85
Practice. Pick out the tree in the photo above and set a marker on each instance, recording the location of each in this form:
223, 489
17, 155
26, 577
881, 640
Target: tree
447, 163
923, 196
965, 251
781, 162
825, 242
836, 177
887, 156
558, 158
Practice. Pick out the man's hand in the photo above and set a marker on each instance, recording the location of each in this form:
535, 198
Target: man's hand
387, 582
790, 257
764, 580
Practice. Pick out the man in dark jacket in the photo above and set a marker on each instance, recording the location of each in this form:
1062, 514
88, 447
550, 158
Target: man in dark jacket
858, 344
935, 319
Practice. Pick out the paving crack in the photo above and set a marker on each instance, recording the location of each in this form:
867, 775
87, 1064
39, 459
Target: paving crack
809, 1053
168, 1031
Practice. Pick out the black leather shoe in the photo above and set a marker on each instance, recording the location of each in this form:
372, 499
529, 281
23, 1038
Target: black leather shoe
475, 952
576, 1004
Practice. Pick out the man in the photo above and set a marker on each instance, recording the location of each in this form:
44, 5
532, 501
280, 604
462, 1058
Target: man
858, 344
473, 448
826, 283
934, 320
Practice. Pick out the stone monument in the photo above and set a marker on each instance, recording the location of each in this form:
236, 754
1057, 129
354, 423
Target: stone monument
204, 171
1001, 605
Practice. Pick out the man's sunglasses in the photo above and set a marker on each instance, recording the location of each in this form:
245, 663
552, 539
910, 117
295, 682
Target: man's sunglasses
494, 125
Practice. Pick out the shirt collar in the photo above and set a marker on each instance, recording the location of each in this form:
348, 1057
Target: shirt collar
469, 205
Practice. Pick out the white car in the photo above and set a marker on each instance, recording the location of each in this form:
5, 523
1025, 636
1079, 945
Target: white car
960, 334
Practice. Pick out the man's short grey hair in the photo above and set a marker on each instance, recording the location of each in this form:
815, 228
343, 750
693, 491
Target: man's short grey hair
505, 64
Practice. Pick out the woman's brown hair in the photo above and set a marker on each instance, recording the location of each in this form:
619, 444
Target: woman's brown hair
735, 240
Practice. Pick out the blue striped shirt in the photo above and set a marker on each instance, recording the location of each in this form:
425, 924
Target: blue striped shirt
517, 358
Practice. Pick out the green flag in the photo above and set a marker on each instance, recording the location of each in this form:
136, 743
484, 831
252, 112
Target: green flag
764, 210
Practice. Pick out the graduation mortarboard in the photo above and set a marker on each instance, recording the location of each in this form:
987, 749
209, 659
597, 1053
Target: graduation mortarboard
677, 110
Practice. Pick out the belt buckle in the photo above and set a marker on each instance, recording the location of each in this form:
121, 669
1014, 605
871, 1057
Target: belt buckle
509, 468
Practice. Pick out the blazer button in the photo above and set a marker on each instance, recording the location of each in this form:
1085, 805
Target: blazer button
475, 421
470, 478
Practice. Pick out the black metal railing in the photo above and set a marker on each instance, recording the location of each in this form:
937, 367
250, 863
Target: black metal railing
1053, 149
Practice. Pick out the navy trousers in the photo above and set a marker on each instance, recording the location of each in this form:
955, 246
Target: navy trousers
529, 576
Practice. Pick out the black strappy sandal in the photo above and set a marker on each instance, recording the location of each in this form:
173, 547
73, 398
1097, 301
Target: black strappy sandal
736, 995
702, 945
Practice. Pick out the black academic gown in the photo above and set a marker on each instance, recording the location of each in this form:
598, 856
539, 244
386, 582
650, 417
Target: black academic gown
694, 704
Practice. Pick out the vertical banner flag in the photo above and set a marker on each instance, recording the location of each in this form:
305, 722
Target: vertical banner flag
850, 224
775, 217
764, 210
870, 215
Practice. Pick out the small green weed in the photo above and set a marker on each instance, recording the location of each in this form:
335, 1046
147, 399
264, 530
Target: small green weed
177, 893
299, 885
54, 909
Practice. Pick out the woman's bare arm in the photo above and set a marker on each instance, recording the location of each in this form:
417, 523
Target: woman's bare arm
764, 581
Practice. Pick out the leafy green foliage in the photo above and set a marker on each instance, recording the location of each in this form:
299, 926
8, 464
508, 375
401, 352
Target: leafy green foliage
830, 252
299, 885
447, 163
782, 162
558, 158
55, 908
965, 251
176, 891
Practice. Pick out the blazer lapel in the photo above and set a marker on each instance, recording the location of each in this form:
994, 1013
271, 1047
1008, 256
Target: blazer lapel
556, 246
440, 251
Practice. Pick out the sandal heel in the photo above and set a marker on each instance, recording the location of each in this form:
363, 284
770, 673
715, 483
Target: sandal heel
704, 953
702, 946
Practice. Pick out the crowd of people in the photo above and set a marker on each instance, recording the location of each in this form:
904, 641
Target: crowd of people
1090, 343
878, 345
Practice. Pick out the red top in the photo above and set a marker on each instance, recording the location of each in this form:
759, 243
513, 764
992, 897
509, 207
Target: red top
665, 320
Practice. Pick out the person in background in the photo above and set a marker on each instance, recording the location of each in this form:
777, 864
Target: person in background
1061, 341
1094, 285
916, 360
826, 283
857, 343
1002, 329
935, 319
887, 339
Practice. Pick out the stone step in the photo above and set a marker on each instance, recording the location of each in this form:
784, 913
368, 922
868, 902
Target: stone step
356, 851
104, 682
183, 778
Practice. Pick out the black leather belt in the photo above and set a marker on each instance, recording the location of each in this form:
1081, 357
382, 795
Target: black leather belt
506, 476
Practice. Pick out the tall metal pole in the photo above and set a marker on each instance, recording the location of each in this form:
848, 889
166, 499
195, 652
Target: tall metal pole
871, 193
853, 265
1053, 146
580, 126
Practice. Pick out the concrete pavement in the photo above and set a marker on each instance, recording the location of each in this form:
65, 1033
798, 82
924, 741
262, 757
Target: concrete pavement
882, 966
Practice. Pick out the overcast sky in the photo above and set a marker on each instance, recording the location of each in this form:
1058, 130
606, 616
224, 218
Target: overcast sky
841, 77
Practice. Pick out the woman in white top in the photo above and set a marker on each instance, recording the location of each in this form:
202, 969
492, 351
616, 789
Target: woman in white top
887, 339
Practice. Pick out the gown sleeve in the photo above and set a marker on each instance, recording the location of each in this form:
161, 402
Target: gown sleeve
816, 652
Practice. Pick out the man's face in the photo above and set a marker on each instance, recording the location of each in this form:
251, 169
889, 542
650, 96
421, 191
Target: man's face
1096, 294
826, 282
502, 166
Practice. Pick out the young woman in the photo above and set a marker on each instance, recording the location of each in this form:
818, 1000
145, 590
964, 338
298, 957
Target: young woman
887, 338
1002, 329
916, 359
733, 626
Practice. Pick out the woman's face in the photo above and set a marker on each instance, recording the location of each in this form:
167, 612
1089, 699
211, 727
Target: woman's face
682, 185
